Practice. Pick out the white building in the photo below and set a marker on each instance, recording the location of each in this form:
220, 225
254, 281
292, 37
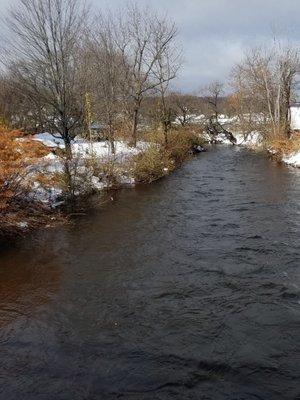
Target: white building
295, 116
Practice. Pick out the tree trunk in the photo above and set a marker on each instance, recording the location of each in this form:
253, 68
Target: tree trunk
112, 140
134, 126
166, 132
67, 163
68, 148
286, 111
269, 102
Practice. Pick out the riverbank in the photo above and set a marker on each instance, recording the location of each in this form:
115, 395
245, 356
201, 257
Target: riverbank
41, 195
286, 150
283, 150
46, 193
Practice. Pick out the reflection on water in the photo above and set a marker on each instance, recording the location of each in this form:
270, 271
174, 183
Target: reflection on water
185, 289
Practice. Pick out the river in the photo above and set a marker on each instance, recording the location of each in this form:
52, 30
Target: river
188, 288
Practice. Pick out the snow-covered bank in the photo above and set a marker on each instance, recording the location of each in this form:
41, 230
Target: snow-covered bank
83, 148
286, 150
251, 140
292, 159
255, 140
94, 166
84, 155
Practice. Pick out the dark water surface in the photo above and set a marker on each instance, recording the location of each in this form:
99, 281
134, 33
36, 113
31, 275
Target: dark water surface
185, 289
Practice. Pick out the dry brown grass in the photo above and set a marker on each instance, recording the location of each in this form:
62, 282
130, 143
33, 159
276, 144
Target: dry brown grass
151, 164
181, 143
161, 158
281, 145
16, 156
18, 209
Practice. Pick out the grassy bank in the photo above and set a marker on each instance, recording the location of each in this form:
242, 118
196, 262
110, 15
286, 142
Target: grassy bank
286, 150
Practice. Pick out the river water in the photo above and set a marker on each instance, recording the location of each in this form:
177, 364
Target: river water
185, 289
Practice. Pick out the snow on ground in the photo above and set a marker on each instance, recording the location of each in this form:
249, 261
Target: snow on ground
103, 150
292, 159
49, 196
221, 138
82, 150
49, 140
224, 119
252, 139
190, 118
201, 118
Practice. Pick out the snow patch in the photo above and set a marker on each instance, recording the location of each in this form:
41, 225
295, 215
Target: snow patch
22, 225
252, 139
292, 159
49, 140
221, 138
82, 150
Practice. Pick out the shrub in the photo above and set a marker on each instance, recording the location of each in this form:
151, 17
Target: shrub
281, 145
160, 158
180, 146
107, 170
181, 143
152, 164
17, 158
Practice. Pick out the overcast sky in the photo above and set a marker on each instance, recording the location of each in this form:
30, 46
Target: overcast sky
215, 33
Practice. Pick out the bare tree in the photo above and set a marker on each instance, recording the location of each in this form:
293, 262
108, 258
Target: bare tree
106, 75
186, 107
165, 69
288, 65
264, 83
213, 95
142, 37
44, 60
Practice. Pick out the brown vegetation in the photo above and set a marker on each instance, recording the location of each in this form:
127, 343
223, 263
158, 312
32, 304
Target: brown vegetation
281, 146
161, 158
18, 157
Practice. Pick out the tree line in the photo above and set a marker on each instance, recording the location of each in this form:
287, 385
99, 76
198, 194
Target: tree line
67, 64
264, 84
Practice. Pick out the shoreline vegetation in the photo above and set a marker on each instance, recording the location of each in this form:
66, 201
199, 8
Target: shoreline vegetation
34, 192
87, 105
35, 188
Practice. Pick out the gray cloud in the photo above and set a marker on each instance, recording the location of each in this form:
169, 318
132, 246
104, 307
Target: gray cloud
215, 33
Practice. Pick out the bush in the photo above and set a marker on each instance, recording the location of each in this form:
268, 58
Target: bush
17, 159
161, 158
107, 170
16, 156
151, 164
180, 145
281, 145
